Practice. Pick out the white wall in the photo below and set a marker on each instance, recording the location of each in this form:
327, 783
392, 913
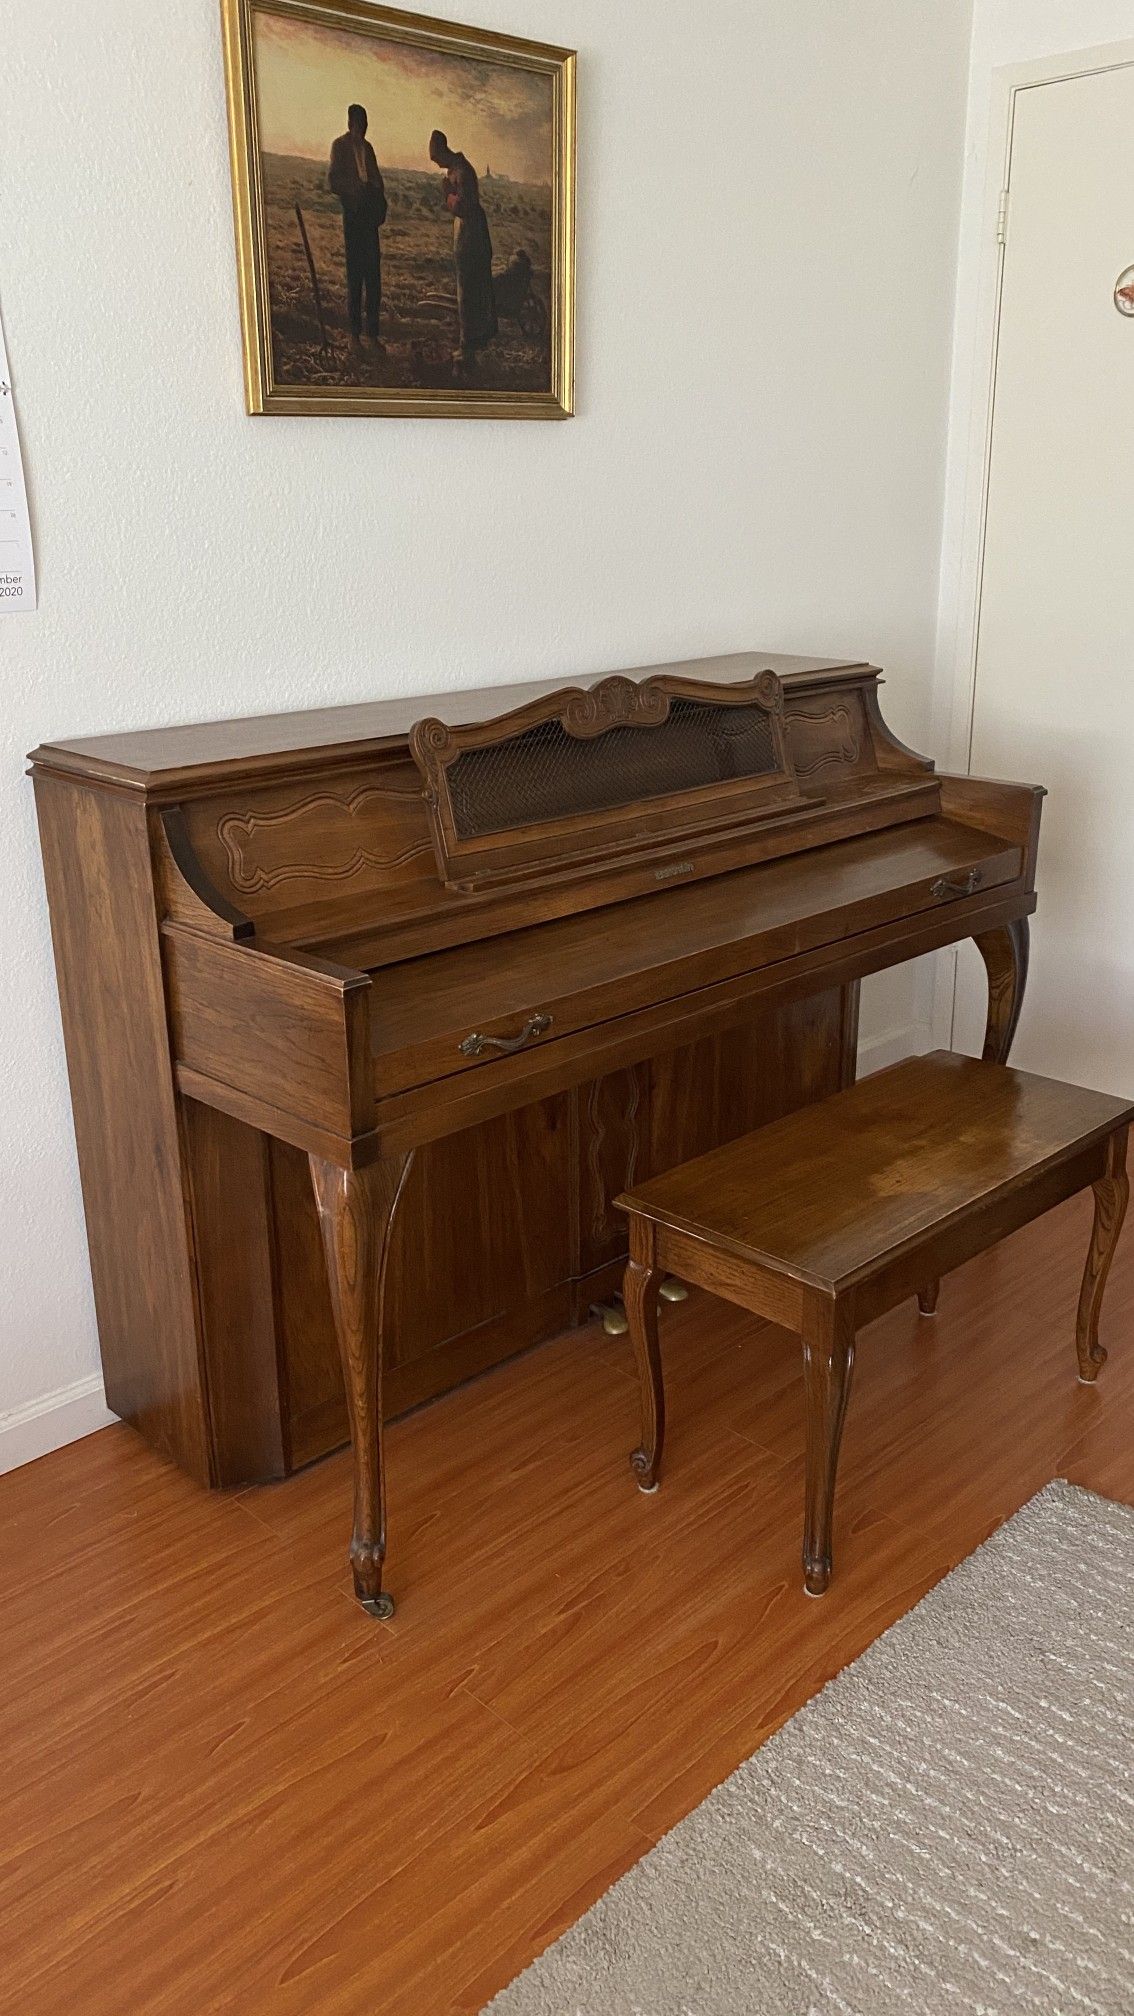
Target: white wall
767, 225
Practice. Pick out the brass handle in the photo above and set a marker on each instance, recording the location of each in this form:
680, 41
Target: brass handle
476, 1045
943, 887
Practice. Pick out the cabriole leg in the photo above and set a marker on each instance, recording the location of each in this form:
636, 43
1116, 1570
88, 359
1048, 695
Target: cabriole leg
640, 1295
828, 1359
356, 1213
1112, 1192
1005, 955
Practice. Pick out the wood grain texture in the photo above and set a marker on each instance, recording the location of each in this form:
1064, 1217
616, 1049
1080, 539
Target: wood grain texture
289, 1031
641, 1283
489, 1208
853, 1203
356, 1210
612, 1121
228, 1170
829, 738
104, 929
1005, 955
828, 1361
425, 1112
836, 1192
648, 950
1111, 1194
227, 1790
264, 744
536, 1046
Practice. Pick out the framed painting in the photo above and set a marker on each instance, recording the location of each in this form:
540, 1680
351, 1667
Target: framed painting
404, 195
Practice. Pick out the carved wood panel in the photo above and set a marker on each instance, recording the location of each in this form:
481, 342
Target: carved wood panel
282, 845
614, 1128
712, 1091
829, 736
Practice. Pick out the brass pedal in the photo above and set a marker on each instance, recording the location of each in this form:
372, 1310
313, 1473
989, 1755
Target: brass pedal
612, 1316
673, 1290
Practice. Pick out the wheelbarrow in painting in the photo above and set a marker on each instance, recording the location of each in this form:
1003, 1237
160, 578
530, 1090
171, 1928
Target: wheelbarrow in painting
404, 200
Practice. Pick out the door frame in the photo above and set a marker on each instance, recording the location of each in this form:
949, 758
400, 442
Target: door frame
959, 667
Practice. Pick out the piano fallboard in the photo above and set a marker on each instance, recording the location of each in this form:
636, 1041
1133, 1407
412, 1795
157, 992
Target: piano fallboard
578, 971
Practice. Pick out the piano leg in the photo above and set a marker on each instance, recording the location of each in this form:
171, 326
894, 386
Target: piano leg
356, 1214
1005, 955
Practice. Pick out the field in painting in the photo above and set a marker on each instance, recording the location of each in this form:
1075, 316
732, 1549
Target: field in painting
419, 295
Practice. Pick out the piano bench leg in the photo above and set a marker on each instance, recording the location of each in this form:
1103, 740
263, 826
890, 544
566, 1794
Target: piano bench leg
1112, 1193
828, 1361
640, 1295
927, 1298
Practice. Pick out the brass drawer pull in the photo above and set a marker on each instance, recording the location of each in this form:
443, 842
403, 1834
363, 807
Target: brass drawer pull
476, 1045
943, 887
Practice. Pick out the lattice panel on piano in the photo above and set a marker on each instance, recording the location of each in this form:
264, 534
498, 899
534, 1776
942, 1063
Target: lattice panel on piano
545, 773
587, 774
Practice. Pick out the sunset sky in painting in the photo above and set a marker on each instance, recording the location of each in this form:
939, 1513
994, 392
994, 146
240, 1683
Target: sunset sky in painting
306, 76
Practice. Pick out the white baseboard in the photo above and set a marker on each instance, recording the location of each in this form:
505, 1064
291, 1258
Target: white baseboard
912, 1039
55, 1418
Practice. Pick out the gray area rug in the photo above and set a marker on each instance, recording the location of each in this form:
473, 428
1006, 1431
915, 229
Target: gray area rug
948, 1826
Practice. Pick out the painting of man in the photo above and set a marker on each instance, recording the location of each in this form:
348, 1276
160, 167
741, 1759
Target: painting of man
370, 281
356, 179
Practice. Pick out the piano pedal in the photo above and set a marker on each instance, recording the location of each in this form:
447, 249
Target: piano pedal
612, 1315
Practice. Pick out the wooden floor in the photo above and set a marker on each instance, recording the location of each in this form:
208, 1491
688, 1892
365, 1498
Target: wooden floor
225, 1789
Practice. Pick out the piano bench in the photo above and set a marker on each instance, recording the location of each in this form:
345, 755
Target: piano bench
827, 1218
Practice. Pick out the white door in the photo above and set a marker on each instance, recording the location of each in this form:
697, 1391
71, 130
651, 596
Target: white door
1054, 694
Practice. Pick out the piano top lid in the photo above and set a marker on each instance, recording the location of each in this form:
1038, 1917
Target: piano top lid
159, 761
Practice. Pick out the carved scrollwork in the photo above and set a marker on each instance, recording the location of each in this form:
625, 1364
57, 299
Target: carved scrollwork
430, 743
617, 702
768, 691
433, 735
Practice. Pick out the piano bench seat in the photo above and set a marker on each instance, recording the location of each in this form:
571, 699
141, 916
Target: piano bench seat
825, 1219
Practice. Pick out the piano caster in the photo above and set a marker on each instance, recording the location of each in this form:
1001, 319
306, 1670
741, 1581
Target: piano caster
381, 1606
673, 1290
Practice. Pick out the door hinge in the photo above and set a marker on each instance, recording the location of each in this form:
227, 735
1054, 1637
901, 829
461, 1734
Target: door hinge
1002, 219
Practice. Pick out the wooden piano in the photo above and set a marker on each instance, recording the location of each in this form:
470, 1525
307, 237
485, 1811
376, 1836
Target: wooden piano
456, 971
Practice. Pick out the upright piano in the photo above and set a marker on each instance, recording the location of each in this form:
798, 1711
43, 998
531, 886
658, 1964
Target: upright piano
371, 1011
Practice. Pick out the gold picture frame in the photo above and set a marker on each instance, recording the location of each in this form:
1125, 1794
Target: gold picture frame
303, 348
